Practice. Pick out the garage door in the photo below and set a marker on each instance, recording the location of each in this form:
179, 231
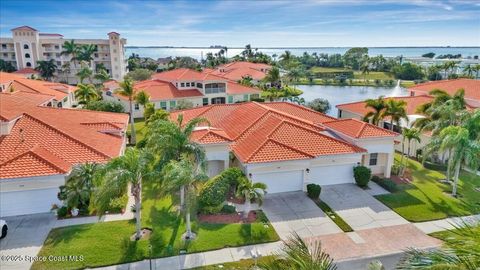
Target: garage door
281, 181
331, 174
27, 202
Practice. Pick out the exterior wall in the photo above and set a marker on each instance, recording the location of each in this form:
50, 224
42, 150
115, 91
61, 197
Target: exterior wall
414, 145
31, 183
219, 154
346, 114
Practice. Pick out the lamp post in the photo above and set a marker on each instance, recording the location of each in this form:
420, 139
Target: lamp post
150, 255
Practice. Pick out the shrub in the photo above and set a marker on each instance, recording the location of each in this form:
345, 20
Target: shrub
228, 209
211, 209
232, 175
62, 212
215, 190
313, 191
435, 166
116, 205
385, 183
362, 175
105, 106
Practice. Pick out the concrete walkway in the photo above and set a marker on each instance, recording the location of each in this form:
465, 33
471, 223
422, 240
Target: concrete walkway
446, 224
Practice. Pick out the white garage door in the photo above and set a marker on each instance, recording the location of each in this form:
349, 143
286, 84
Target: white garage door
27, 202
331, 174
281, 181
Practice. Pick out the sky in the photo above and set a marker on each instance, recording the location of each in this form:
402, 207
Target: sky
296, 23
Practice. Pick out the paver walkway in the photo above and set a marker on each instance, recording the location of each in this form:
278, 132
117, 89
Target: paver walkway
294, 212
446, 224
358, 208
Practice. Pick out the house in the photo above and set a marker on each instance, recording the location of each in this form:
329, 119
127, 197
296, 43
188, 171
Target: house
471, 87
288, 146
63, 94
235, 71
28, 73
27, 46
40, 145
168, 88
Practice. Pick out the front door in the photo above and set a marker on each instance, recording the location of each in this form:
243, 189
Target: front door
218, 100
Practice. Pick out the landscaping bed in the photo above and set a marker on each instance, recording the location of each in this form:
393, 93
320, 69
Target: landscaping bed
333, 216
228, 218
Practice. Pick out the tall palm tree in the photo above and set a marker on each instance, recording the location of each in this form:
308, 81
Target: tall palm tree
365, 67
298, 255
409, 134
170, 140
395, 109
286, 57
273, 77
142, 98
85, 73
468, 70
46, 68
250, 191
86, 51
127, 90
86, 93
294, 75
102, 75
131, 169
189, 175
70, 48
378, 105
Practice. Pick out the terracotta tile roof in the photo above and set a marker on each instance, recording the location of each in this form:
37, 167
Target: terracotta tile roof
471, 87
266, 132
162, 90
236, 70
358, 129
234, 88
26, 71
208, 135
11, 102
57, 138
412, 105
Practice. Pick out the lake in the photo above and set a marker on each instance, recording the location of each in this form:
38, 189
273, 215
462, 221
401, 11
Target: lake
344, 94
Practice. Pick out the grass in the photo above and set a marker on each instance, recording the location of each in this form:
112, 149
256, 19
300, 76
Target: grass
428, 199
454, 234
333, 216
108, 243
373, 75
244, 264
140, 128
327, 69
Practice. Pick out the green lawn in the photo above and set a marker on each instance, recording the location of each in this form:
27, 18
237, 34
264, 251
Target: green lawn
327, 69
342, 224
140, 128
108, 243
428, 199
373, 75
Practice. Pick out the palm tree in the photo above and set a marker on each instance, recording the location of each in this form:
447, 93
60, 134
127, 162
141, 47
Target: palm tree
273, 77
142, 98
468, 70
190, 176
298, 255
85, 73
476, 68
170, 140
378, 105
127, 90
86, 93
71, 49
294, 75
86, 51
271, 93
250, 191
365, 68
286, 57
396, 110
79, 185
408, 134
46, 68
102, 75
131, 169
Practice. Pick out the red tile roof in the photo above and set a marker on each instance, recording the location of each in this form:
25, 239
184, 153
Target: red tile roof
208, 135
358, 129
471, 87
163, 90
26, 71
236, 70
46, 140
10, 102
412, 105
271, 131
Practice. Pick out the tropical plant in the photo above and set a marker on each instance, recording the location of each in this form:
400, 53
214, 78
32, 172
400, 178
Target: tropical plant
86, 93
139, 74
320, 105
131, 169
158, 114
246, 80
70, 48
296, 254
468, 70
408, 134
395, 109
273, 77
190, 176
476, 69
105, 106
102, 75
46, 68
250, 191
271, 93
84, 73
79, 186
86, 51
294, 75
365, 67
142, 98
362, 175
6, 66
127, 90
378, 107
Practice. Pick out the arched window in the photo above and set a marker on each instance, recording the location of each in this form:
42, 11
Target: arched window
29, 64
27, 55
25, 46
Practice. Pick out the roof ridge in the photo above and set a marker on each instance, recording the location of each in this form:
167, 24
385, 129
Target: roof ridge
291, 147
31, 151
362, 128
253, 123
38, 147
67, 135
260, 146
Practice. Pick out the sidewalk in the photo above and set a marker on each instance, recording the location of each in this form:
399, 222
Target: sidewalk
445, 224
201, 258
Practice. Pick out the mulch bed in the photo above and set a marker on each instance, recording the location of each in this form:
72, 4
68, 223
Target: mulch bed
398, 180
228, 218
232, 198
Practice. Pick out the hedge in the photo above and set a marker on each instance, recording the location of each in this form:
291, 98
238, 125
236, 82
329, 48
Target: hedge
362, 175
386, 183
435, 166
215, 190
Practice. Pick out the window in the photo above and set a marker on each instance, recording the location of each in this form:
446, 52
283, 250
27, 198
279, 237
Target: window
173, 104
59, 105
57, 55
245, 97
214, 88
29, 64
95, 54
5, 55
59, 63
182, 84
373, 159
339, 113
205, 101
230, 99
187, 84
27, 55
4, 46
199, 85
25, 46
57, 47
137, 106
163, 105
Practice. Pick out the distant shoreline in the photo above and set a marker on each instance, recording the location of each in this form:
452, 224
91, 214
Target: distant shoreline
339, 47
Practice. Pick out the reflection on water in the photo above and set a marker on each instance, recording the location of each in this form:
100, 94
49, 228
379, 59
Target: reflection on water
344, 94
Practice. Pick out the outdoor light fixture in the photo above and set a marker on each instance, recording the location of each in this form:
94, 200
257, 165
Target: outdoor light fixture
250, 175
308, 170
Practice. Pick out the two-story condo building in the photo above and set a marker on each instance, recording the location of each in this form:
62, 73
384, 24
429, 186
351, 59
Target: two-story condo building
27, 46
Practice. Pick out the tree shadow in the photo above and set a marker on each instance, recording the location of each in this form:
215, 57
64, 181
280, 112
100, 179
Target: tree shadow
66, 234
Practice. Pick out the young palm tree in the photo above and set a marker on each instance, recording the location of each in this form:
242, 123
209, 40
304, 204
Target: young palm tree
130, 169
102, 75
80, 184
46, 68
86, 51
70, 48
189, 175
85, 73
298, 255
365, 68
396, 110
476, 69
271, 93
250, 191
170, 140
127, 90
294, 75
273, 77
378, 105
142, 98
409, 134
86, 93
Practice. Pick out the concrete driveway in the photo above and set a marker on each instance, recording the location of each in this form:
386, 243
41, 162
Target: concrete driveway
295, 212
25, 237
358, 208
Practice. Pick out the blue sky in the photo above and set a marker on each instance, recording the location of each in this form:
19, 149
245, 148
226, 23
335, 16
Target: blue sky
260, 23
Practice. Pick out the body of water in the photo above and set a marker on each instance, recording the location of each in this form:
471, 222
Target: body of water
385, 51
344, 94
